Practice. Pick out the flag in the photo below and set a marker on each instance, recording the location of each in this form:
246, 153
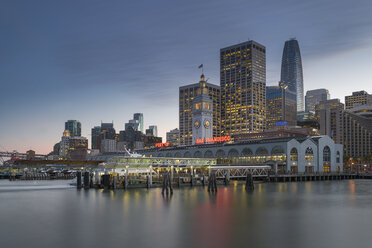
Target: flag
200, 66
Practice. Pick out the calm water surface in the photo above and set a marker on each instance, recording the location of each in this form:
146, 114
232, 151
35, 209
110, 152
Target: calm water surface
303, 214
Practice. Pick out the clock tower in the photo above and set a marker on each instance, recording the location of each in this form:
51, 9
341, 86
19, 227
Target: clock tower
202, 113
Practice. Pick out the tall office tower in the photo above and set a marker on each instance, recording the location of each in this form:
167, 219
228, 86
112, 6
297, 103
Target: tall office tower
202, 114
173, 137
314, 97
74, 127
107, 131
152, 131
357, 98
186, 96
329, 113
139, 118
243, 88
291, 73
280, 106
96, 132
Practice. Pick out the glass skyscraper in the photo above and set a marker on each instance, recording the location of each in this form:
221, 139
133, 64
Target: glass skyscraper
74, 127
291, 73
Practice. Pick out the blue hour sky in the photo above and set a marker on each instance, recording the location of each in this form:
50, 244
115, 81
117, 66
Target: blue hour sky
102, 60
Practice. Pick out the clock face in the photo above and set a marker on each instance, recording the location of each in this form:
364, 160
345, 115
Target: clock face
207, 124
197, 124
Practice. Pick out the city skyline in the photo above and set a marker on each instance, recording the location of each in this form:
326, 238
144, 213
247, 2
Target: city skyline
78, 69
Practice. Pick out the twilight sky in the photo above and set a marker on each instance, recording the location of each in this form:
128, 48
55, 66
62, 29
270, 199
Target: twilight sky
99, 60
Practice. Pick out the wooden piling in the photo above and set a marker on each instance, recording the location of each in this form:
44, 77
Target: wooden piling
78, 179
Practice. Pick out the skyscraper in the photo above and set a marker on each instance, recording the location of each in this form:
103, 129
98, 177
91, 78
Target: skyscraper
96, 142
243, 88
74, 127
139, 118
281, 106
314, 97
186, 96
291, 73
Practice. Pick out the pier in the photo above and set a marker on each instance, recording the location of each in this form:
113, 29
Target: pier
129, 172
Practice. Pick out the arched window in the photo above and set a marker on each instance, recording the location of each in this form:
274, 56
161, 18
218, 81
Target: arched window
220, 154
178, 155
277, 150
294, 154
309, 154
262, 151
187, 155
233, 153
247, 152
326, 154
208, 154
197, 154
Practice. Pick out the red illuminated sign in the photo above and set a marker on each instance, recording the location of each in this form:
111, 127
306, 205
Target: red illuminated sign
162, 144
213, 140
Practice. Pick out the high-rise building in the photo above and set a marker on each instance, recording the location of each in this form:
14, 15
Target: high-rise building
107, 131
139, 118
152, 131
173, 137
280, 106
243, 88
314, 97
186, 96
74, 127
96, 142
357, 98
291, 72
357, 131
330, 114
73, 147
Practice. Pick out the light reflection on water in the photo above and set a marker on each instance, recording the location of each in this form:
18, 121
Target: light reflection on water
302, 214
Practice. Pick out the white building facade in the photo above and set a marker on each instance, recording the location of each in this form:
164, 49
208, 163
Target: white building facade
316, 154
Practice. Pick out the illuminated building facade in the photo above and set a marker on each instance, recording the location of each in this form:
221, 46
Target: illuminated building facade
243, 88
357, 98
291, 71
280, 106
186, 97
305, 154
73, 147
314, 97
74, 127
173, 137
202, 113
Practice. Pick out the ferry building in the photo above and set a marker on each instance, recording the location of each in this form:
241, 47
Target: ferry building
306, 154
